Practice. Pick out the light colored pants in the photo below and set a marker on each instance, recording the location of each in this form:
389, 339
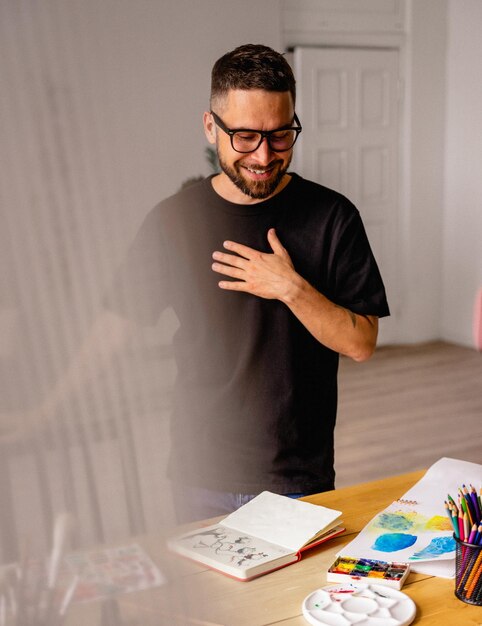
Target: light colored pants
196, 503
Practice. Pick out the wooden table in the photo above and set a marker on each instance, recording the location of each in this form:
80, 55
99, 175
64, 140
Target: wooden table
198, 596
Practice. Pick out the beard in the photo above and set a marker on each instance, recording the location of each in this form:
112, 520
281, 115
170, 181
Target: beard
256, 189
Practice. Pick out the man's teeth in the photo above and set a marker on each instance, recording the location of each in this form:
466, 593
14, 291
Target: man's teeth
256, 171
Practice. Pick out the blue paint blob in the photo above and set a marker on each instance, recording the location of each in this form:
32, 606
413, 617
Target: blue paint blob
438, 546
391, 542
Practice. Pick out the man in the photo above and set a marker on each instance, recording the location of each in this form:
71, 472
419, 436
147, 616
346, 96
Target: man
271, 278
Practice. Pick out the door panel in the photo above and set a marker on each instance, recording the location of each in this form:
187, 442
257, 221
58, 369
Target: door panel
348, 105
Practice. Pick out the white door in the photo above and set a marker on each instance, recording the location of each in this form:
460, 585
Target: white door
347, 102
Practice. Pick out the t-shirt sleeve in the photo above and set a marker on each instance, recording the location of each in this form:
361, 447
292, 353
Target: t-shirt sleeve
140, 289
358, 282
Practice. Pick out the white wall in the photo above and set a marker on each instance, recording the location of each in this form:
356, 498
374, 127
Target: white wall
422, 177
101, 114
462, 235
441, 229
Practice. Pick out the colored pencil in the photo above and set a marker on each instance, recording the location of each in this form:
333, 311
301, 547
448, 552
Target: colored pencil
465, 507
477, 595
465, 571
452, 518
466, 518
467, 526
451, 500
460, 519
473, 497
472, 534
478, 536
477, 571
472, 569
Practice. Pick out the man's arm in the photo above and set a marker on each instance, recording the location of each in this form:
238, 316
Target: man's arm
273, 276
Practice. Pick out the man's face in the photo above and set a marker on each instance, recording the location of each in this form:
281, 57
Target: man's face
256, 175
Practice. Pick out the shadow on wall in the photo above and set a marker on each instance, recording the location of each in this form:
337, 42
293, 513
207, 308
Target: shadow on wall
212, 159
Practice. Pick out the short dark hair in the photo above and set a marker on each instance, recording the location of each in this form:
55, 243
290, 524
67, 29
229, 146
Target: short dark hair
252, 66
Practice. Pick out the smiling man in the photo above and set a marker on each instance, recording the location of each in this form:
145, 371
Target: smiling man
254, 162
271, 277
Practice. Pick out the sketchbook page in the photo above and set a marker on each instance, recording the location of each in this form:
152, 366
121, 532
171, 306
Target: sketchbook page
443, 477
322, 537
236, 553
282, 520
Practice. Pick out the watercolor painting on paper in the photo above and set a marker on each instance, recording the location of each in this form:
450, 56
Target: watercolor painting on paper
406, 533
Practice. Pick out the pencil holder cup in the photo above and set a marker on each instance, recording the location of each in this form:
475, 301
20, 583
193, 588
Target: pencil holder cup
468, 572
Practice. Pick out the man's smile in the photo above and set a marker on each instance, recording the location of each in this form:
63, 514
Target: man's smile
259, 173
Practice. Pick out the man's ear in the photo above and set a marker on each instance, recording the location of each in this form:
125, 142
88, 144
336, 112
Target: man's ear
209, 127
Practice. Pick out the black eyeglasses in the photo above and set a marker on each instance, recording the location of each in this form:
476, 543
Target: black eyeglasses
247, 140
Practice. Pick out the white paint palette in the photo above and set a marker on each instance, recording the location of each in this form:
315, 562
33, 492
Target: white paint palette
360, 604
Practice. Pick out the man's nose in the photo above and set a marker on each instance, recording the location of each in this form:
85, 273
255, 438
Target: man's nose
263, 152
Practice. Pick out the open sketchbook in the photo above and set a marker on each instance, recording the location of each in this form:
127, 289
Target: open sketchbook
265, 534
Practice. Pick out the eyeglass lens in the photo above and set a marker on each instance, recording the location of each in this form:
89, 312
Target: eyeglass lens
243, 141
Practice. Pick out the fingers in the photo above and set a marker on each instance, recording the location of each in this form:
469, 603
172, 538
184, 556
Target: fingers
230, 259
251, 270
249, 253
275, 243
228, 270
231, 285
229, 265
239, 248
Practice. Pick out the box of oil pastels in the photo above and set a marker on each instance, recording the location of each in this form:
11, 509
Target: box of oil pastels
349, 569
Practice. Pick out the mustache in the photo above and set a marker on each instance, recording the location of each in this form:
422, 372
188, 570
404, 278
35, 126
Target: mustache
262, 168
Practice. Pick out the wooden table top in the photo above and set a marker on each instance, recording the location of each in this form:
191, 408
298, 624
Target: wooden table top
197, 596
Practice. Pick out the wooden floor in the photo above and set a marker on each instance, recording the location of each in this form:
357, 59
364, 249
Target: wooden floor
407, 407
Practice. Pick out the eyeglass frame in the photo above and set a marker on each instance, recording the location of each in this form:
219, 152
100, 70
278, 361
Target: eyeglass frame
264, 133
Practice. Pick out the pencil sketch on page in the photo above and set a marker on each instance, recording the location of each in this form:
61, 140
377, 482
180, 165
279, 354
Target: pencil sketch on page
230, 546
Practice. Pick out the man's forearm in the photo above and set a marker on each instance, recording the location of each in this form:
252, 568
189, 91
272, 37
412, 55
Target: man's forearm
332, 325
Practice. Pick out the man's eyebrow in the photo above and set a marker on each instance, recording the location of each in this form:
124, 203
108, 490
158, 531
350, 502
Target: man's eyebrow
258, 130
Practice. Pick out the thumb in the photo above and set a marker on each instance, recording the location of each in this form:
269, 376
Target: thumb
275, 244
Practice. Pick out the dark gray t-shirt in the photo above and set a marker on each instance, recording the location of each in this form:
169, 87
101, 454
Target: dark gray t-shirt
256, 395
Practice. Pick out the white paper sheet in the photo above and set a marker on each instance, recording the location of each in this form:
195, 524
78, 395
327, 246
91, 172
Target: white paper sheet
415, 529
442, 478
